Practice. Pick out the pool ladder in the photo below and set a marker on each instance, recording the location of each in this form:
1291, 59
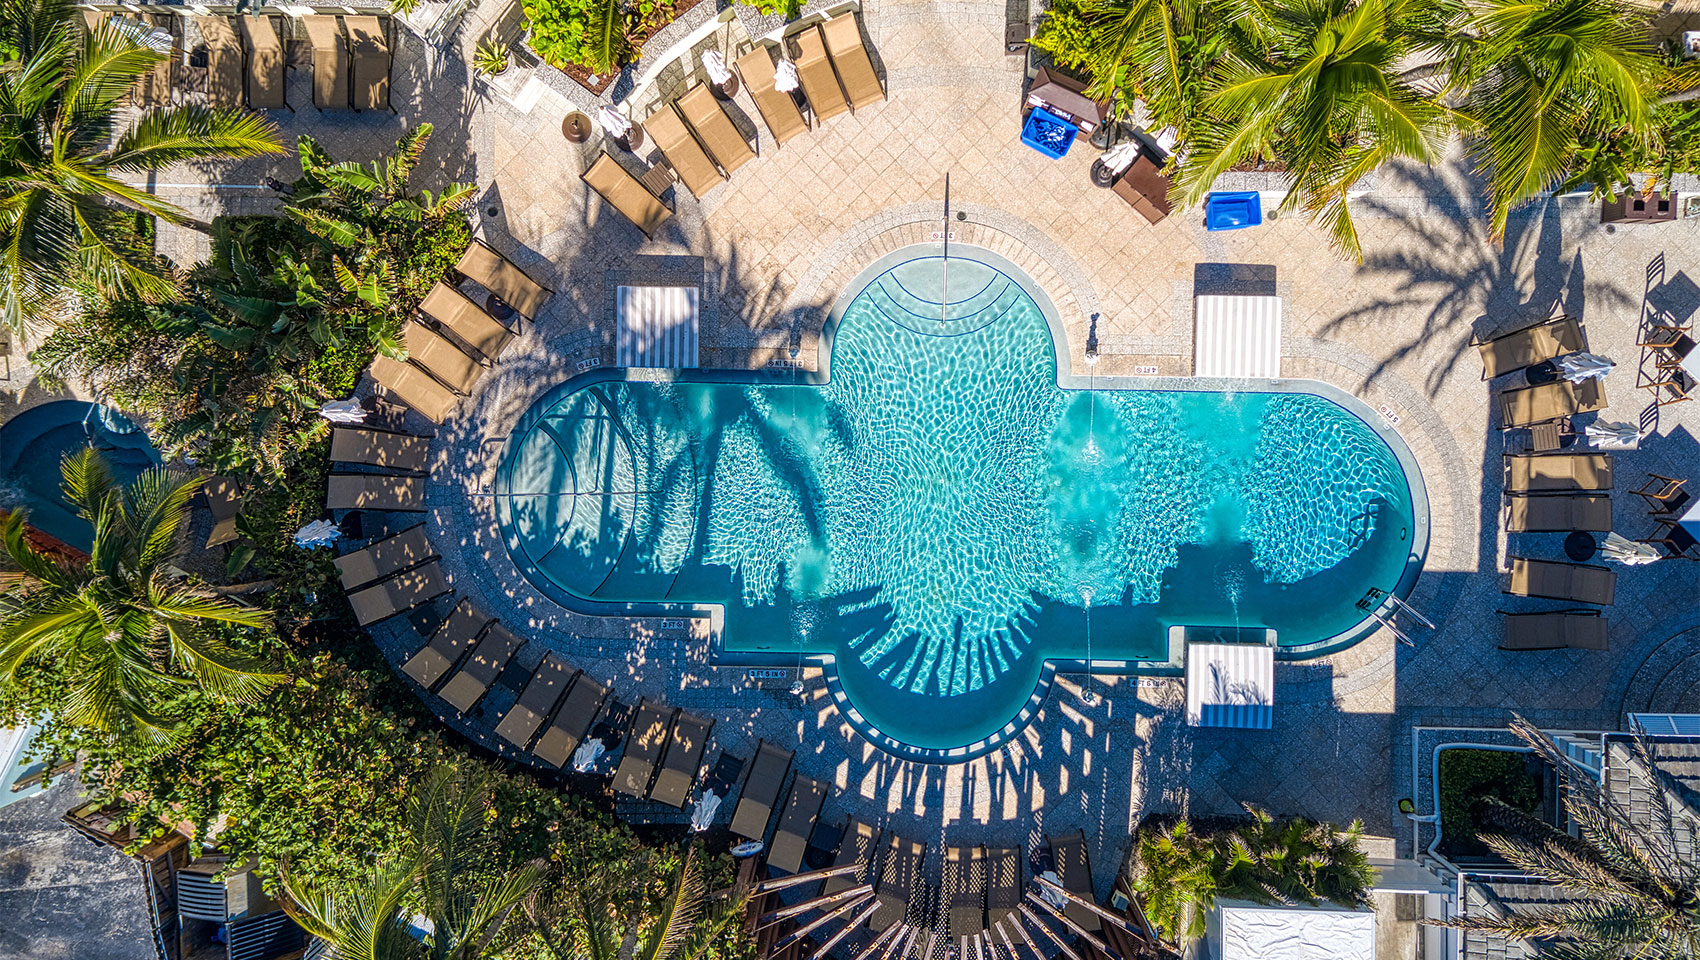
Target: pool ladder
1372, 602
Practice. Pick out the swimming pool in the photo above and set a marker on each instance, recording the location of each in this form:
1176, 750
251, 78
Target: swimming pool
35, 441
941, 523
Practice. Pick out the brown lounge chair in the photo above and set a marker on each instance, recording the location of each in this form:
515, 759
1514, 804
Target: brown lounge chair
850, 57
1004, 868
1555, 630
542, 692
777, 109
224, 61
266, 63
156, 87
683, 758
330, 62
760, 793
627, 194
498, 275
374, 491
456, 635
398, 594
224, 502
379, 448
440, 358
643, 748
408, 548
572, 722
1558, 473
414, 387
900, 874
1559, 514
466, 320
858, 845
369, 59
1145, 188
483, 665
1552, 580
964, 883
715, 129
814, 70
1525, 406
1074, 872
791, 840
684, 154
1529, 346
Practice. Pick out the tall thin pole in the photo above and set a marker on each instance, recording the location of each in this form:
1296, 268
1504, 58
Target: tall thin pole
944, 294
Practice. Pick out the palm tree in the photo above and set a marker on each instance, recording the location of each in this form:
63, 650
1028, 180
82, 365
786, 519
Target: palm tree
1543, 81
1314, 87
114, 626
1635, 883
443, 872
683, 926
66, 210
1158, 51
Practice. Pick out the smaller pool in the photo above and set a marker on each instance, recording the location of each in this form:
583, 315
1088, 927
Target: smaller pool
32, 445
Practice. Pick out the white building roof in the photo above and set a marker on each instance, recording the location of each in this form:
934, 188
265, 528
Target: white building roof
1255, 932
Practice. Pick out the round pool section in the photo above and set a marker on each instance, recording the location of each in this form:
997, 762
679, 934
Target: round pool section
34, 442
942, 523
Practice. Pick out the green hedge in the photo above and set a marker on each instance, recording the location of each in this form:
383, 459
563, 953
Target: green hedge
1468, 777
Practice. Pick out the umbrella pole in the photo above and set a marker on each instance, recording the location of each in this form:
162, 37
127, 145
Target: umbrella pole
944, 293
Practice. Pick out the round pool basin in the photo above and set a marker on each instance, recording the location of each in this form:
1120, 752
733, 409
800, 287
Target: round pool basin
33, 444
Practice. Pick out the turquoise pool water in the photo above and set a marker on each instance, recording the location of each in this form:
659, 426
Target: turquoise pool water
942, 519
33, 443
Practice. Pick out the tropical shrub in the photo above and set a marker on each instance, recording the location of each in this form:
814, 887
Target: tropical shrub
1065, 32
1180, 869
595, 34
1470, 778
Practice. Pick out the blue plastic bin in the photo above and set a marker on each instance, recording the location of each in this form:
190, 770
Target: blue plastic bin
1232, 211
1048, 133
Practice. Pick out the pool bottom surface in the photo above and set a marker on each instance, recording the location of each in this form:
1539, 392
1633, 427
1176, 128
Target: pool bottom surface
942, 520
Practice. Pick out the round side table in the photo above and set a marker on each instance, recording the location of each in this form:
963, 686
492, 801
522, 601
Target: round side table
576, 127
495, 307
1580, 546
726, 92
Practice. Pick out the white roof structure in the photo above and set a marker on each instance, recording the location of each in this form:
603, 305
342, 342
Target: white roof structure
1244, 931
1230, 685
656, 327
1236, 337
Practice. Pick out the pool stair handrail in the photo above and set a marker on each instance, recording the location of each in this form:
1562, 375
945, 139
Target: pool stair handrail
1372, 607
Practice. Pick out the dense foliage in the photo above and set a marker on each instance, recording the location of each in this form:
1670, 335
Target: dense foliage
1179, 868
1471, 778
1547, 96
286, 315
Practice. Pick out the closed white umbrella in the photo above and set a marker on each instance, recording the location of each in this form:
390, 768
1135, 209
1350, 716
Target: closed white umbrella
585, 756
703, 815
1577, 367
1120, 157
785, 77
715, 66
1607, 435
614, 122
343, 411
319, 533
1628, 552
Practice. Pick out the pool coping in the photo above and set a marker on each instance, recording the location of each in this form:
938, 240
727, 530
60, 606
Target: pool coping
1173, 666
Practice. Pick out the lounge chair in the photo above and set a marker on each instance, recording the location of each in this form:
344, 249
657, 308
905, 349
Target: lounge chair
791, 840
762, 783
572, 721
1558, 473
859, 844
814, 70
156, 87
369, 59
398, 594
627, 194
456, 635
1074, 873
372, 491
1559, 514
379, 448
850, 57
648, 738
1674, 537
1552, 580
541, 693
93, 20
1555, 630
224, 61
1526, 406
715, 129
682, 760
330, 62
224, 502
1004, 868
440, 358
900, 874
408, 548
498, 275
777, 109
414, 387
687, 157
266, 63
481, 668
466, 320
964, 892
1529, 346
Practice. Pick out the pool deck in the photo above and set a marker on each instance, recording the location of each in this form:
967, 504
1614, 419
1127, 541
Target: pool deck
773, 247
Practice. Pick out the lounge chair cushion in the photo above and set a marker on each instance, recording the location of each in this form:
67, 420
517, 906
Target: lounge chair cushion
820, 81
850, 57
499, 276
541, 693
330, 62
572, 722
1568, 629
1549, 401
481, 668
466, 320
379, 448
900, 868
680, 762
414, 387
1553, 580
791, 840
1559, 514
625, 193
372, 491
762, 784
715, 128
778, 110
390, 597
224, 61
1529, 346
265, 62
369, 57
857, 845
1074, 872
1558, 473
687, 157
456, 635
391, 555
644, 744
442, 359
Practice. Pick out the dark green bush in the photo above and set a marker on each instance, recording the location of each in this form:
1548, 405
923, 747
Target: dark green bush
1467, 778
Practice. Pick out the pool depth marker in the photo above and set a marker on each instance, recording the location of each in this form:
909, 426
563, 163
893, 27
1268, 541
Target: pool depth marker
944, 292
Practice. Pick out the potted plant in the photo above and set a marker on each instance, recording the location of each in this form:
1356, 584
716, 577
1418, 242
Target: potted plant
492, 58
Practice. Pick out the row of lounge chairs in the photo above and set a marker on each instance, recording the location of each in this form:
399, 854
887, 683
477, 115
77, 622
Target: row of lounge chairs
1558, 493
1539, 343
704, 147
351, 62
664, 751
1557, 580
